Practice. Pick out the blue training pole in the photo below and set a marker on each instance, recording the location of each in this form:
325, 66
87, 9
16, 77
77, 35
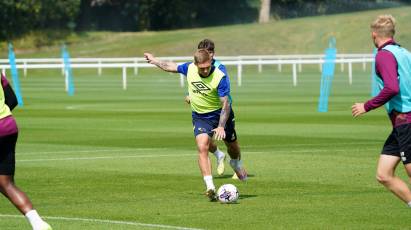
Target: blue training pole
67, 71
327, 75
15, 75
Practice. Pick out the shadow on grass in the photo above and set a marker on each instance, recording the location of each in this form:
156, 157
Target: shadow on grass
229, 176
246, 196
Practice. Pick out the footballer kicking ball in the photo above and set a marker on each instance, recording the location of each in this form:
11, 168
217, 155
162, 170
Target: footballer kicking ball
227, 193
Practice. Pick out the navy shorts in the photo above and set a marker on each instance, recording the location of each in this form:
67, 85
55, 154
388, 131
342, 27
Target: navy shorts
205, 123
7, 154
398, 143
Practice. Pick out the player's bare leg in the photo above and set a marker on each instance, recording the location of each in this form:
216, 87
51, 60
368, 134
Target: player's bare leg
203, 142
408, 170
233, 149
19, 199
15, 195
386, 176
220, 156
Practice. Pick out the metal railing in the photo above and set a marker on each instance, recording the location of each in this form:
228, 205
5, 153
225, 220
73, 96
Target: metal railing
296, 61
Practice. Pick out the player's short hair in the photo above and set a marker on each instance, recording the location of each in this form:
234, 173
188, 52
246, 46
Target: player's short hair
384, 26
201, 56
207, 44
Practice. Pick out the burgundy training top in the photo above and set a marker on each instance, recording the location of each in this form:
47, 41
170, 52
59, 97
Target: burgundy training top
8, 125
386, 68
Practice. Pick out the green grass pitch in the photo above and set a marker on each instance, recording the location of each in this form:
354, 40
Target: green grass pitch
109, 158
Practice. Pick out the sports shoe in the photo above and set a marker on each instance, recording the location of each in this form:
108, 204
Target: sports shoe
220, 165
238, 169
234, 177
241, 174
44, 226
211, 195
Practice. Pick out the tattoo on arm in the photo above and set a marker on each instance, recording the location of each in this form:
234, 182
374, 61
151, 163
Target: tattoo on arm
225, 111
166, 66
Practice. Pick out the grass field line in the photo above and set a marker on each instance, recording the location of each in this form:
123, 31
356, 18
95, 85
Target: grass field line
116, 222
320, 145
162, 149
107, 157
92, 151
175, 155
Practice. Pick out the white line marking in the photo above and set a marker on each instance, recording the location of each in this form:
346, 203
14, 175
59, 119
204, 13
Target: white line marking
175, 155
93, 151
304, 151
154, 149
162, 149
106, 222
107, 157
317, 144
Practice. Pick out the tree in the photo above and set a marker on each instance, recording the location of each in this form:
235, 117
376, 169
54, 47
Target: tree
264, 11
22, 16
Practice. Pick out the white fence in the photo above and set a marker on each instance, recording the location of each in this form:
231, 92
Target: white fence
296, 61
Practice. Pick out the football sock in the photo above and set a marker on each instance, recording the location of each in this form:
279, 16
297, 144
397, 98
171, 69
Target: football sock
236, 164
34, 219
218, 153
409, 204
209, 182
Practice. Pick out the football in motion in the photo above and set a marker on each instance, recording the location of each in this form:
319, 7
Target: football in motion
227, 193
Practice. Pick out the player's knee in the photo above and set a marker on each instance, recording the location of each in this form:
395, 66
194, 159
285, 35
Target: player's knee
5, 183
383, 178
408, 169
203, 149
233, 149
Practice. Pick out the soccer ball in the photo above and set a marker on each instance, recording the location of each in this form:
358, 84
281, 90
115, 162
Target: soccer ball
227, 193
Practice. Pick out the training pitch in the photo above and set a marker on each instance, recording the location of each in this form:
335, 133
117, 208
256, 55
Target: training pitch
108, 158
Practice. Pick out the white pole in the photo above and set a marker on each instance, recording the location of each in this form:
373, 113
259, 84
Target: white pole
182, 79
135, 67
239, 72
260, 66
279, 67
62, 67
320, 65
124, 78
25, 68
342, 67
66, 81
350, 72
99, 67
294, 74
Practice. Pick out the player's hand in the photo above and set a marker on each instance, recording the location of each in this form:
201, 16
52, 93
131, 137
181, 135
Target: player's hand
219, 133
149, 57
187, 99
357, 109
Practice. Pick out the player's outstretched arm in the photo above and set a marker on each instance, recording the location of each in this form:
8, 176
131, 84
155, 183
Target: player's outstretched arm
164, 65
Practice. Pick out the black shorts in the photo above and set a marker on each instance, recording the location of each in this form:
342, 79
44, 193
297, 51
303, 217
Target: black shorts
398, 143
7, 154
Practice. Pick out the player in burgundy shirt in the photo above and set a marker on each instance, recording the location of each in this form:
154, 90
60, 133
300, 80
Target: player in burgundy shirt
393, 74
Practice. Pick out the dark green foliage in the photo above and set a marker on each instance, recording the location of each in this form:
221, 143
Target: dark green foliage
128, 15
24, 16
301, 8
20, 17
16, 17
